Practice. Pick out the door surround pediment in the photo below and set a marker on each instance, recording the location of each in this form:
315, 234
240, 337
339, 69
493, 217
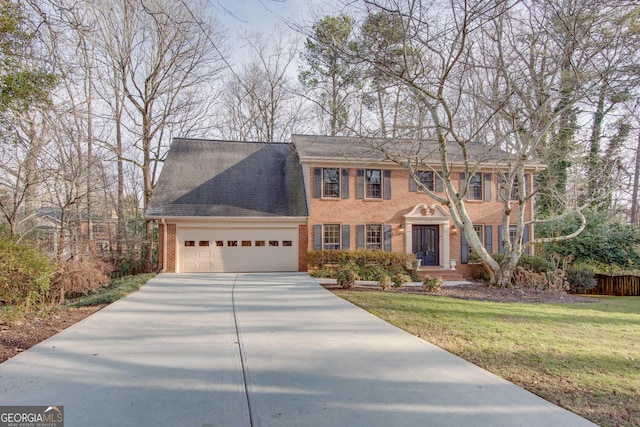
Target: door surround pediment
422, 212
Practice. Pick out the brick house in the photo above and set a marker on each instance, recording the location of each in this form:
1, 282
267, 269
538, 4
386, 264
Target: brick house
320, 193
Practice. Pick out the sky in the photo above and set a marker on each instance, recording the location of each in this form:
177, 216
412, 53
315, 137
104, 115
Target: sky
262, 15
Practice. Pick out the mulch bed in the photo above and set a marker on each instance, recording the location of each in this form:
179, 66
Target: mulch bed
36, 327
477, 291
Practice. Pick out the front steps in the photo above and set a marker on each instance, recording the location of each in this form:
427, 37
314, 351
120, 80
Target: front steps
448, 275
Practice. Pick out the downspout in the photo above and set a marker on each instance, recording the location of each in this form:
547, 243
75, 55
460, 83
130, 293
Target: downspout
164, 245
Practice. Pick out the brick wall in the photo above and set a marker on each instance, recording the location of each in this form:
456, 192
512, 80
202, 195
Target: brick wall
171, 248
303, 244
354, 211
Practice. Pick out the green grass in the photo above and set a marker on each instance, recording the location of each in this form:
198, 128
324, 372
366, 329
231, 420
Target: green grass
116, 289
582, 356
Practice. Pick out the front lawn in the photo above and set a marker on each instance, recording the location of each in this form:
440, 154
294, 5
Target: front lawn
582, 356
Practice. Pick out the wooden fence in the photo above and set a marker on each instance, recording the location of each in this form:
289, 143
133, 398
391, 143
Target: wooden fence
622, 285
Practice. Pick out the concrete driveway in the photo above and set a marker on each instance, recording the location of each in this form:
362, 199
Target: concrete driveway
258, 350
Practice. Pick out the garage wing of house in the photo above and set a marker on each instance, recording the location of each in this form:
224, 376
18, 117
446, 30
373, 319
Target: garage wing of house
230, 206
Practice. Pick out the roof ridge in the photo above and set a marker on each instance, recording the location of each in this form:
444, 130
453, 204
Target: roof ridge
230, 141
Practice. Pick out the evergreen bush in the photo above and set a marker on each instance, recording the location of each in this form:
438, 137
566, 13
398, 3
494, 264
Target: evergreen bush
580, 279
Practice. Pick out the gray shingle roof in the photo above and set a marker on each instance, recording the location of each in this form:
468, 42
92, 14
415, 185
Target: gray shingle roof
376, 150
226, 178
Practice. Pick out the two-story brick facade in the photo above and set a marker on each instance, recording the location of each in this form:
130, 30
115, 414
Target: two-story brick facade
349, 196
360, 200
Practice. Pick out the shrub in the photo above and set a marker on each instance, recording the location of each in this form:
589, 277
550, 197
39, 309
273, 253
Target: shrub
374, 272
605, 240
580, 279
78, 276
346, 277
432, 284
25, 274
385, 281
536, 264
329, 273
360, 258
532, 263
553, 281
367, 265
400, 279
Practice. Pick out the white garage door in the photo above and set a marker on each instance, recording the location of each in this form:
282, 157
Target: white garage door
237, 250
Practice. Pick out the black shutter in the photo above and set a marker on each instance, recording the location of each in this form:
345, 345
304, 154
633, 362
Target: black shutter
387, 185
413, 185
464, 249
360, 184
360, 236
346, 237
525, 238
317, 183
439, 184
500, 241
387, 238
462, 184
488, 238
345, 184
317, 237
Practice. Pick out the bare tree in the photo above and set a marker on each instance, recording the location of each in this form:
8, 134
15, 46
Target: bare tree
488, 72
164, 59
258, 101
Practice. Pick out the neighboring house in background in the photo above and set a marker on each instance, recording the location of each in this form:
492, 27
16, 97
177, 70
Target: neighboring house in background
47, 226
238, 206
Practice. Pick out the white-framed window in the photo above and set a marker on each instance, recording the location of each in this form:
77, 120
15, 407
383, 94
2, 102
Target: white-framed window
373, 183
427, 179
474, 191
331, 182
515, 188
331, 236
373, 236
512, 233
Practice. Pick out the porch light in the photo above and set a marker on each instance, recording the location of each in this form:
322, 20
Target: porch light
454, 230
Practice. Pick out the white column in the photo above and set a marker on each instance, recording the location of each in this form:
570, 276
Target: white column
445, 245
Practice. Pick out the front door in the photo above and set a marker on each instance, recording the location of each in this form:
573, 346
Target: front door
426, 244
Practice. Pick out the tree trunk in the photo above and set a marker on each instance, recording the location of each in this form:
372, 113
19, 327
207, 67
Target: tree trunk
636, 182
